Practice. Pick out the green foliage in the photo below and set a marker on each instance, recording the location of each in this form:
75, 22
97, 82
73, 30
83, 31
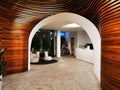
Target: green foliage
2, 61
46, 44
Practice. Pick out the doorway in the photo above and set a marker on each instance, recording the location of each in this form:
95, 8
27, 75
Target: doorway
88, 26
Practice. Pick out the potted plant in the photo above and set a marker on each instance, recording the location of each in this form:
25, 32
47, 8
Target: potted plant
2, 65
46, 46
2, 62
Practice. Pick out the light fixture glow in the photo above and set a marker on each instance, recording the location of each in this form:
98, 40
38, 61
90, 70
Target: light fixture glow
71, 25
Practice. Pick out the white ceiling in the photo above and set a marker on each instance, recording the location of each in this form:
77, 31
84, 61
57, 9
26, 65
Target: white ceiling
59, 26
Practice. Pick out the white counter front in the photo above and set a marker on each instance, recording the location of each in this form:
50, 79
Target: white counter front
85, 54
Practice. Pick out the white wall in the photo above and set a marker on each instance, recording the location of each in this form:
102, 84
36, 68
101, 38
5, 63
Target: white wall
82, 38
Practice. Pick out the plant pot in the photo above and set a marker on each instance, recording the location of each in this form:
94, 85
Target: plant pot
0, 82
47, 57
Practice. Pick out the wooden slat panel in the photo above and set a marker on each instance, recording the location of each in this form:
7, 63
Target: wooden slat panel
16, 69
15, 38
110, 31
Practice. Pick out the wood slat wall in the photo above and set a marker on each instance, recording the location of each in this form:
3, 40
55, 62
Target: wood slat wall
15, 39
18, 17
110, 33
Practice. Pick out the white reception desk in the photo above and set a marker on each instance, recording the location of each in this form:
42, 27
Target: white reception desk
85, 54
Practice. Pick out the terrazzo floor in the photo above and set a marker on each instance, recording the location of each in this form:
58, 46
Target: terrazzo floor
66, 74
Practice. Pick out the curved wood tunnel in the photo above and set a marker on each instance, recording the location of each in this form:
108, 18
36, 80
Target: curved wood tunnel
18, 17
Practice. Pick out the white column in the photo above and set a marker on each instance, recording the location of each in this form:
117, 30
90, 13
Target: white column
58, 44
77, 39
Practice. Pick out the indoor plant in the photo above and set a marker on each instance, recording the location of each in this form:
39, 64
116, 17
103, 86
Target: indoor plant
46, 44
2, 65
2, 61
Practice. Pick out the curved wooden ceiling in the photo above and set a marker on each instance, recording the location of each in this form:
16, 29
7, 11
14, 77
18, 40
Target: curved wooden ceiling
91, 9
40, 9
18, 17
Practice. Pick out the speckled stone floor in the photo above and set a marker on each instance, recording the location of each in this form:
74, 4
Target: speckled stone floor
66, 74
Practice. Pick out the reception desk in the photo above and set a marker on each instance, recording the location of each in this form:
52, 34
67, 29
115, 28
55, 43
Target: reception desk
85, 54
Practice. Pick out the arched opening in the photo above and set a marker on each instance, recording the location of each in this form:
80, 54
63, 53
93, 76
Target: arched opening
87, 25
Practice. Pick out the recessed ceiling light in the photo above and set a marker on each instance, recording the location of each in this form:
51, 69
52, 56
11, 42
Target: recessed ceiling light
71, 25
